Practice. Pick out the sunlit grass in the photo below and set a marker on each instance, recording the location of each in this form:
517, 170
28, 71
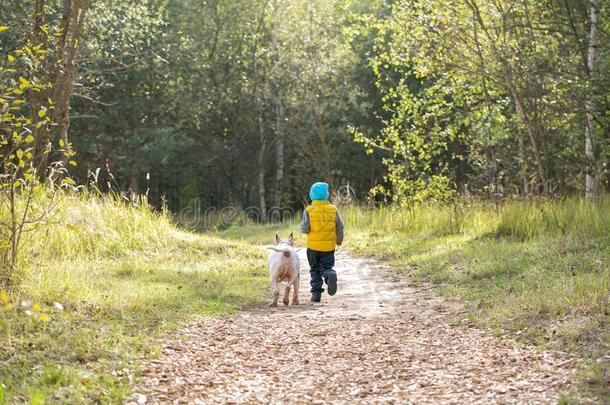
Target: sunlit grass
124, 276
524, 261
535, 270
261, 234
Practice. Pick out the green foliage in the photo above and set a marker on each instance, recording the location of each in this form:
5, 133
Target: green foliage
169, 99
25, 203
236, 102
487, 97
19, 87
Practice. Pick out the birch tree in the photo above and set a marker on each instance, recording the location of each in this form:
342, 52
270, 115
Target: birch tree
591, 182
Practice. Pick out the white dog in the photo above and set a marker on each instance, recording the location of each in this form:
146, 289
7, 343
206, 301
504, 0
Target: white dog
284, 266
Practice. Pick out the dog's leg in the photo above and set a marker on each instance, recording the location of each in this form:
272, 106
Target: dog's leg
286, 294
295, 292
276, 292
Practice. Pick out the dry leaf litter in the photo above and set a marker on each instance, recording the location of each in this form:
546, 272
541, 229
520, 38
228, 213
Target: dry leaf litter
377, 341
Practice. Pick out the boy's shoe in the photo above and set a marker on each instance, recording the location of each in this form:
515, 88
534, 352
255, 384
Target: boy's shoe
331, 282
316, 296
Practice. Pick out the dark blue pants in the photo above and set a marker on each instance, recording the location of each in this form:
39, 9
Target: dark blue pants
321, 265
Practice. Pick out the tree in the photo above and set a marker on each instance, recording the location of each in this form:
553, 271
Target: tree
25, 202
593, 43
60, 71
503, 69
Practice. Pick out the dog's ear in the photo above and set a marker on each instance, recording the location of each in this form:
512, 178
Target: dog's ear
291, 237
277, 239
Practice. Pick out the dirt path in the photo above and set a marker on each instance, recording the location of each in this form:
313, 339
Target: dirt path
376, 341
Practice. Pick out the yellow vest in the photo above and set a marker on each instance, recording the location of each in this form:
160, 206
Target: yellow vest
322, 234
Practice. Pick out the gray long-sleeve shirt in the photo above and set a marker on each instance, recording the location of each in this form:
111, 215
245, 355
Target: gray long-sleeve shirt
306, 225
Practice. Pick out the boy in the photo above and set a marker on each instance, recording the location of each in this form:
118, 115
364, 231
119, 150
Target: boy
324, 228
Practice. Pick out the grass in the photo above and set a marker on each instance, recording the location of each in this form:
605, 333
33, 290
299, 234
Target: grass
100, 286
105, 280
538, 271
263, 234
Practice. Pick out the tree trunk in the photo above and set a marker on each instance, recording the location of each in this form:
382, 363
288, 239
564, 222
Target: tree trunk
62, 79
523, 168
134, 184
279, 153
591, 160
324, 147
263, 145
261, 173
532, 134
261, 130
78, 14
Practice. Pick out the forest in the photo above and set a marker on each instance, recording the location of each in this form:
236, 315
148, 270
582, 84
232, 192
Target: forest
246, 103
466, 142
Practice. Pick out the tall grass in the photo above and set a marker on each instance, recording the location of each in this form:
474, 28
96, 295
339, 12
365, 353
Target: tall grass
100, 281
536, 270
103, 226
429, 219
570, 217
523, 220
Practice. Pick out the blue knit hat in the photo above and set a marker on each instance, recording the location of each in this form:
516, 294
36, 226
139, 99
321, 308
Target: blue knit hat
319, 191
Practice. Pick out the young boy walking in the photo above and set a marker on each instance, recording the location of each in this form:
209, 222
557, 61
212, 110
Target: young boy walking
324, 228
